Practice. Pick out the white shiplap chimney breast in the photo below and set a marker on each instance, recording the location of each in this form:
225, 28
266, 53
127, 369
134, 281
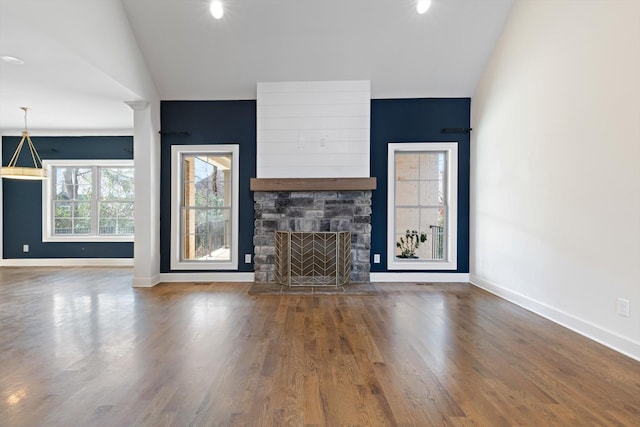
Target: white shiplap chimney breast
313, 129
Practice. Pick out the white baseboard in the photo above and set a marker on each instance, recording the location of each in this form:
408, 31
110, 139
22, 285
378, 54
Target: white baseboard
67, 262
146, 282
583, 327
206, 277
419, 277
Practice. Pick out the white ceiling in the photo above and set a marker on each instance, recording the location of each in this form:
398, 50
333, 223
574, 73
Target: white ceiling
82, 62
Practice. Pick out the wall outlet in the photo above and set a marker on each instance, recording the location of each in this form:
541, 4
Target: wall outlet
376, 258
247, 258
25, 248
622, 307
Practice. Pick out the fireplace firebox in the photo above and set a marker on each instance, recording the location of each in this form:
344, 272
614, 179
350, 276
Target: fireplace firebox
312, 258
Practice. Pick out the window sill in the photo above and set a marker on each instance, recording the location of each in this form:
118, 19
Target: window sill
417, 264
203, 265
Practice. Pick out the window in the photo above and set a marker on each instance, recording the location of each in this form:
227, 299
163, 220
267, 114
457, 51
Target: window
422, 206
88, 200
204, 211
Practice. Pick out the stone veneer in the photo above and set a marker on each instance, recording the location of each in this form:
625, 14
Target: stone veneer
312, 211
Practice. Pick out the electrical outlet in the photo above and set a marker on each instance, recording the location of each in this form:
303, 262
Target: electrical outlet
25, 248
376, 258
622, 307
247, 258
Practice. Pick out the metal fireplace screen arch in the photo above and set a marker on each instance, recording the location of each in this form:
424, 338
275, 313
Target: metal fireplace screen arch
312, 258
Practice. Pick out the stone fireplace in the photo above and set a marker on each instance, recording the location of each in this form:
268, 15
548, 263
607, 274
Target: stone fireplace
312, 167
297, 210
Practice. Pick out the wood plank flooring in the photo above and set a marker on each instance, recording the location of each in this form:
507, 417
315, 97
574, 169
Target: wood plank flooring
80, 347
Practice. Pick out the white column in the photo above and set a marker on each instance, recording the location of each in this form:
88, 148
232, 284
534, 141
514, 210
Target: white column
146, 160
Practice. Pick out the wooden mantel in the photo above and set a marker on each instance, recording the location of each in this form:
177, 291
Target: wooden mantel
313, 184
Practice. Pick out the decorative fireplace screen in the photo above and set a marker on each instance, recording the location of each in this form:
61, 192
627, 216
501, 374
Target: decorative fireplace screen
312, 258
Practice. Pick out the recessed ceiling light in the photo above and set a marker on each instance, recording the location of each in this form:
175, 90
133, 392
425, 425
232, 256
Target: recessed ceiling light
216, 9
12, 60
423, 6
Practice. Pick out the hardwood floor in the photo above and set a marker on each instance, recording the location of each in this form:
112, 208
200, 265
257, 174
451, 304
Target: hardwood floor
80, 347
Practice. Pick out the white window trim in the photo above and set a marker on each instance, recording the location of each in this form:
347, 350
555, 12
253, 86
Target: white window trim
47, 202
451, 260
176, 201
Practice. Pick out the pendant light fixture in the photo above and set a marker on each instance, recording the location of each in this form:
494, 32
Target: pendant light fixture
24, 172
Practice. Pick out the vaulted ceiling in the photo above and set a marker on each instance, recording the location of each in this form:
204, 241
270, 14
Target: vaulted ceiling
83, 59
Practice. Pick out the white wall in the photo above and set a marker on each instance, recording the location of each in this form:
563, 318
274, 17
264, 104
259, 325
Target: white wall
100, 33
555, 210
313, 129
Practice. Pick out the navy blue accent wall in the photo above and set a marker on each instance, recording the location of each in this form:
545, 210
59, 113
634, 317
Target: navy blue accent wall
209, 122
418, 120
22, 200
392, 120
